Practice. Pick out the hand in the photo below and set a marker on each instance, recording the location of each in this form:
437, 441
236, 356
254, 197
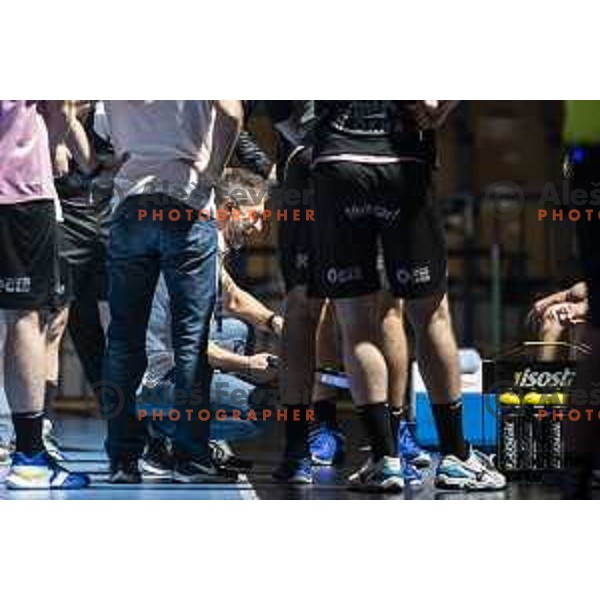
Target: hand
277, 325
431, 114
538, 311
261, 369
62, 156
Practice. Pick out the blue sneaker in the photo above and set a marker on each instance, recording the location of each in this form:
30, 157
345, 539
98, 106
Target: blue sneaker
295, 471
326, 445
408, 448
411, 475
41, 472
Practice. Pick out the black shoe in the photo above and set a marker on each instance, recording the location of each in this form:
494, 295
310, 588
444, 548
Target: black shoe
124, 470
202, 470
158, 460
221, 455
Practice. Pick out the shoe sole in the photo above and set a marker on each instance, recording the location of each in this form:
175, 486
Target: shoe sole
392, 485
466, 485
13, 483
415, 484
294, 480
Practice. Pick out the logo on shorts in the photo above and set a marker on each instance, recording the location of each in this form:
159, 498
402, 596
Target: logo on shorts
301, 260
341, 276
15, 285
418, 275
379, 211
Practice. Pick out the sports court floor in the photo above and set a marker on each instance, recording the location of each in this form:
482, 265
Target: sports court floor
82, 443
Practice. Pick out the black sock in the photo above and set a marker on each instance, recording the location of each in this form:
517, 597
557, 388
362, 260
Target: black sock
448, 419
326, 412
397, 415
376, 419
296, 433
28, 432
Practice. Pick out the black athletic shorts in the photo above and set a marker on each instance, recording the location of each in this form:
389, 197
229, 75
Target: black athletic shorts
584, 174
294, 236
362, 209
83, 247
30, 274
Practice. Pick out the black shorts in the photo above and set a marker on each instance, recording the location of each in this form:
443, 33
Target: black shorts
362, 210
584, 176
295, 236
83, 246
30, 275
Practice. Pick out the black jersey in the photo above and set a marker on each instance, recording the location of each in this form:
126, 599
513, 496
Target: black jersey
79, 186
369, 127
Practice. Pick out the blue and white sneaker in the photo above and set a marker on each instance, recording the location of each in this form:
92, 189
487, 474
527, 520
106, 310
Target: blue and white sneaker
297, 471
41, 472
412, 476
408, 448
383, 476
326, 445
478, 472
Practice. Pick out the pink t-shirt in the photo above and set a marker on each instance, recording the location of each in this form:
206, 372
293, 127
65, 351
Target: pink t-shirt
25, 165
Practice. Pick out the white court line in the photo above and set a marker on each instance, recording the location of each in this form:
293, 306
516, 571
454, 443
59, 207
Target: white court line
248, 494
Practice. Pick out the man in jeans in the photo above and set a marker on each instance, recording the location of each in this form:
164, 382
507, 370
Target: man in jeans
174, 151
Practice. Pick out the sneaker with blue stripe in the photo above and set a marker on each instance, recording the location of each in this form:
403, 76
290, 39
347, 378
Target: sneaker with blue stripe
40, 471
326, 446
477, 472
408, 448
383, 476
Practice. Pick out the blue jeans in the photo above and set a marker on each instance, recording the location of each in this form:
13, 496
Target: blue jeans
186, 254
228, 392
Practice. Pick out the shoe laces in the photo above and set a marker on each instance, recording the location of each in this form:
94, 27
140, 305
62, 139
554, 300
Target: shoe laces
487, 462
409, 471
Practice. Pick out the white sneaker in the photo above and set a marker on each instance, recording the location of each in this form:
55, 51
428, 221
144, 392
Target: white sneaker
478, 472
384, 476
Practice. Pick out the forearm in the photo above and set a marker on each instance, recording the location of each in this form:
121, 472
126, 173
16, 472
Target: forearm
250, 155
225, 360
80, 147
228, 124
64, 129
248, 308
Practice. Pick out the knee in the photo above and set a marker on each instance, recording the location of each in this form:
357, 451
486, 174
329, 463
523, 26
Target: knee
21, 318
56, 327
301, 308
427, 312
